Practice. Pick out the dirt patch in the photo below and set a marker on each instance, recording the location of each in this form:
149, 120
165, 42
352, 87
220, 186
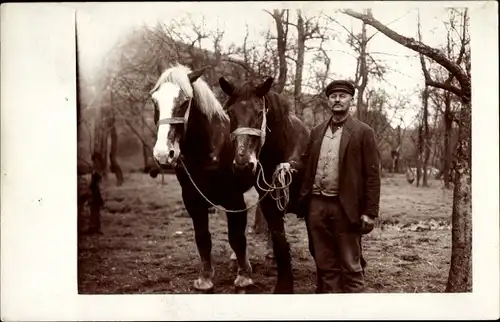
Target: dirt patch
147, 245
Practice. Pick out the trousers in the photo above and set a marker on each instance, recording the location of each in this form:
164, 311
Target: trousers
337, 246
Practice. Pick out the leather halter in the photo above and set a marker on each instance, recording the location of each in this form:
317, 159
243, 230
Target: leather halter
253, 131
177, 119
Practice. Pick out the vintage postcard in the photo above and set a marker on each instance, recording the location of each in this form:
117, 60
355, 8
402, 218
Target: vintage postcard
250, 160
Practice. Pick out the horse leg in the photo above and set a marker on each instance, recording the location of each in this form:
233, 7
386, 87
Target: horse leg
269, 246
233, 261
237, 224
269, 251
203, 238
281, 247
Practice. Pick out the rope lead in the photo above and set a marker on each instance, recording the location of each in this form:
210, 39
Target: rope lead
279, 183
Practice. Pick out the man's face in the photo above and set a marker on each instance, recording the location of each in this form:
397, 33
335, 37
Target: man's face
339, 102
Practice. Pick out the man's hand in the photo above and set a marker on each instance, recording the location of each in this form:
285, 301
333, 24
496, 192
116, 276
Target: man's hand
367, 224
283, 166
286, 166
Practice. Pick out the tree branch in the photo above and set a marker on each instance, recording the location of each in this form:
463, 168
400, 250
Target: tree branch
427, 76
433, 53
242, 64
348, 31
291, 58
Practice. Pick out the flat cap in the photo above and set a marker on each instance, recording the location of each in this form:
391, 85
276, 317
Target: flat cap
340, 85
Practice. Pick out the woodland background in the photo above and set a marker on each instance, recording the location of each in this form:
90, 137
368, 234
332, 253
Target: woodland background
430, 150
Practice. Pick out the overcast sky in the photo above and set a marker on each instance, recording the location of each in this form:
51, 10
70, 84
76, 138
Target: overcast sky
101, 25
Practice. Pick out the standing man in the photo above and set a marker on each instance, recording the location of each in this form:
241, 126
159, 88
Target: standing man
340, 193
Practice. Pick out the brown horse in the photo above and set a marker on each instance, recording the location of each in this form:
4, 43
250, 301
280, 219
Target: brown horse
193, 137
267, 138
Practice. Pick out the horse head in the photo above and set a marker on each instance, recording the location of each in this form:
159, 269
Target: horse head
248, 117
179, 96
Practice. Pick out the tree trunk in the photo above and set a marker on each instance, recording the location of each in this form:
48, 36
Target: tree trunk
448, 123
363, 72
435, 138
281, 39
425, 140
99, 165
96, 201
397, 152
115, 167
395, 160
101, 134
299, 65
460, 275
419, 154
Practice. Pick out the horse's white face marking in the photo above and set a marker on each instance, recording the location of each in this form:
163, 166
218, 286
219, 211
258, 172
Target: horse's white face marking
166, 150
253, 161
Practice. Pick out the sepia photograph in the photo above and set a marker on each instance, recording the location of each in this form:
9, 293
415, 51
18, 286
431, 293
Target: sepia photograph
194, 167
275, 148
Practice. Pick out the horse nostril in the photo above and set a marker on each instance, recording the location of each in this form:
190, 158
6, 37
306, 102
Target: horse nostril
171, 154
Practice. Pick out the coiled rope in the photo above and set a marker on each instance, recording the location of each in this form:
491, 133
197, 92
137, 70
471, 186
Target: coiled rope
210, 202
279, 187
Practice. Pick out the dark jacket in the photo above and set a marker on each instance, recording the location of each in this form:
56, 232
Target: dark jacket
359, 176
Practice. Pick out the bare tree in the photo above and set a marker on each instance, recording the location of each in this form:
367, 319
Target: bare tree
366, 65
420, 146
425, 136
449, 113
281, 20
302, 34
308, 28
361, 71
460, 276
114, 165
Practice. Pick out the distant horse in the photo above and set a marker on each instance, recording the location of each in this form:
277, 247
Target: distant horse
193, 137
267, 138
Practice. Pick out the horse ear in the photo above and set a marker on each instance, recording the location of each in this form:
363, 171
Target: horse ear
194, 75
263, 88
226, 86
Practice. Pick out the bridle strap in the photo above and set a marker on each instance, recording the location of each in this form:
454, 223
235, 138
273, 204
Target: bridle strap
172, 120
246, 131
177, 119
253, 131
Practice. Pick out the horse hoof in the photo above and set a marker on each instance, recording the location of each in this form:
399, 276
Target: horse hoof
203, 284
242, 281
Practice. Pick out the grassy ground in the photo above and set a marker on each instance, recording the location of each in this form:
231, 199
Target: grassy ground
147, 245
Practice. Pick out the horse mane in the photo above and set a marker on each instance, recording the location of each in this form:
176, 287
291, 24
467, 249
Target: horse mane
207, 102
279, 108
279, 118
